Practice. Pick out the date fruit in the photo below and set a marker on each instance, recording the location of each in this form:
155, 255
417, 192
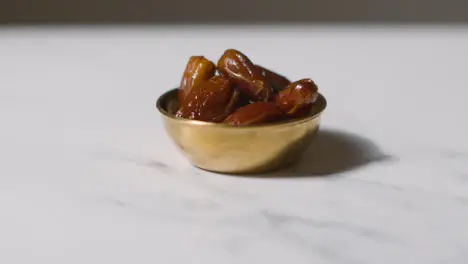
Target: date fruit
244, 75
255, 113
297, 98
210, 101
277, 81
238, 92
198, 70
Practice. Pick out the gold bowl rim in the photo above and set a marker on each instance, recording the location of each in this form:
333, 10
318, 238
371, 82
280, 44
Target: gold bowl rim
314, 114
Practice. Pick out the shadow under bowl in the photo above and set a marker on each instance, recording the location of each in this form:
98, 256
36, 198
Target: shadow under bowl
240, 149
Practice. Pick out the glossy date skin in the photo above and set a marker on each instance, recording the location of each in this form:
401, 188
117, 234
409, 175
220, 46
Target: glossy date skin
198, 70
209, 101
297, 98
255, 113
244, 75
277, 81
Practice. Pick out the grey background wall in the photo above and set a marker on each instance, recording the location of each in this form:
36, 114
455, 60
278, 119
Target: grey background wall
233, 11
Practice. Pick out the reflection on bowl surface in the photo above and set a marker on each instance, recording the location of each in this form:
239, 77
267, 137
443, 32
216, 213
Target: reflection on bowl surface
244, 149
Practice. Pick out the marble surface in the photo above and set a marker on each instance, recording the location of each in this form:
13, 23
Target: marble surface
88, 174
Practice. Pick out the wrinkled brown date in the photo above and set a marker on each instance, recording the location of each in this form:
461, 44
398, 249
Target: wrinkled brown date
210, 101
255, 113
297, 98
198, 70
242, 94
277, 81
244, 75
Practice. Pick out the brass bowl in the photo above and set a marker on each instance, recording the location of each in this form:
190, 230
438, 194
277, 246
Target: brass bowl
238, 150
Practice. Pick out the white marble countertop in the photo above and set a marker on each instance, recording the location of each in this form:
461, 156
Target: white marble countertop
88, 174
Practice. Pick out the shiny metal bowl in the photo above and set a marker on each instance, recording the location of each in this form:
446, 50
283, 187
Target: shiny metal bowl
239, 150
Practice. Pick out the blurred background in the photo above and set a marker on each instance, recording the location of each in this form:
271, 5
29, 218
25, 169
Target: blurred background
231, 12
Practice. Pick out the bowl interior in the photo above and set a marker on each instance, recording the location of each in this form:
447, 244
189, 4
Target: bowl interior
168, 104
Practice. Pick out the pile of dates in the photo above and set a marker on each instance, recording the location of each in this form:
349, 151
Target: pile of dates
238, 92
